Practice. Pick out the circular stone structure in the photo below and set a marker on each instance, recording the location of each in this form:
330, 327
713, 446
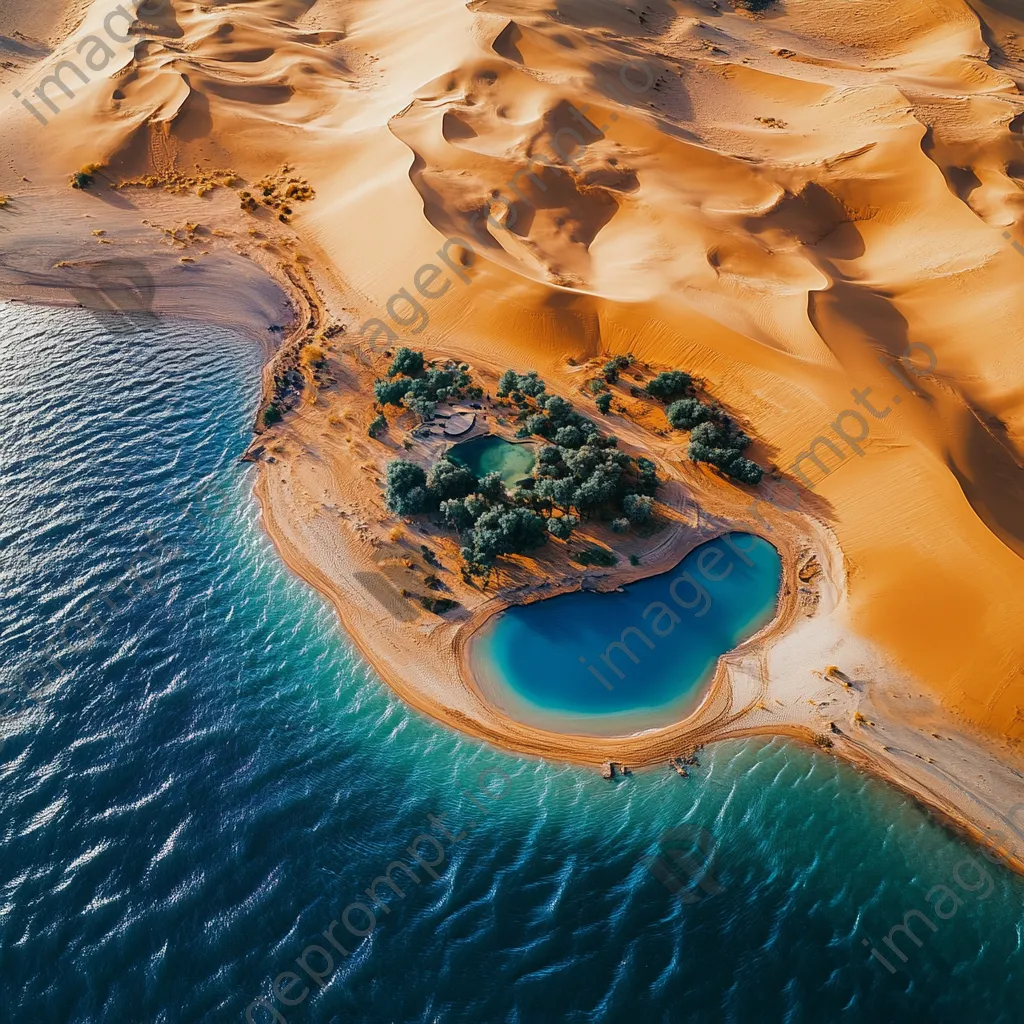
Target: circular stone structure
459, 423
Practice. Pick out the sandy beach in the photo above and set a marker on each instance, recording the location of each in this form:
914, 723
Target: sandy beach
782, 203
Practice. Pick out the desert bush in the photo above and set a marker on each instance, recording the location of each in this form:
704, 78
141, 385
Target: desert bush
669, 384
595, 556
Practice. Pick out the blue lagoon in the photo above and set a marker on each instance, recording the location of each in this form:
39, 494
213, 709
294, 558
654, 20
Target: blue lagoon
613, 663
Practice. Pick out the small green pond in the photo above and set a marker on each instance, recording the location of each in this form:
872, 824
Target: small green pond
493, 454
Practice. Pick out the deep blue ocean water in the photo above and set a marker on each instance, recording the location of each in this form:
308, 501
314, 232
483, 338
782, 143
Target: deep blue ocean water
199, 775
560, 655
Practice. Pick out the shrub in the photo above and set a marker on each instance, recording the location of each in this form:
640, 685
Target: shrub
378, 426
438, 605
620, 525
595, 556
687, 413
604, 403
406, 362
313, 355
84, 177
633, 560
271, 415
616, 363
745, 471
669, 384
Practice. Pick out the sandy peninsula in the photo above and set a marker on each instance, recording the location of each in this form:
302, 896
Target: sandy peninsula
783, 202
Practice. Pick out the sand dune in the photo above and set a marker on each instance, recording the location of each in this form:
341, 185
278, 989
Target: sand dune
780, 202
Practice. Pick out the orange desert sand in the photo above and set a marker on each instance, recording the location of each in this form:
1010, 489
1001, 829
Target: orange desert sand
786, 202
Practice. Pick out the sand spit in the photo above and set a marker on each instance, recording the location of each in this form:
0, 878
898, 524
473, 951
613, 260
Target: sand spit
795, 198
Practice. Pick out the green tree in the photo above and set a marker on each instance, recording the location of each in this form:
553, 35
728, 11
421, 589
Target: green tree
378, 426
457, 515
423, 407
405, 492
530, 384
537, 423
507, 383
687, 413
562, 526
406, 362
448, 479
647, 475
600, 487
549, 455
492, 487
569, 437
390, 392
637, 507
669, 384
604, 403
745, 471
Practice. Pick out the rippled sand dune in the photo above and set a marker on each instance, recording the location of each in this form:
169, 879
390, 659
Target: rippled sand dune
781, 202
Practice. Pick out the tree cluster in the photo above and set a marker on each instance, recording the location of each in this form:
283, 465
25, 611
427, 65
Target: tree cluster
714, 436
721, 443
410, 382
579, 473
519, 385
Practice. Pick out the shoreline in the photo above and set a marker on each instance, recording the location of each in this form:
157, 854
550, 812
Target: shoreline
736, 703
745, 682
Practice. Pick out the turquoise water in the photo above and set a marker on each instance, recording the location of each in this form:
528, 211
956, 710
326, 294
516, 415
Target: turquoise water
210, 775
493, 454
651, 647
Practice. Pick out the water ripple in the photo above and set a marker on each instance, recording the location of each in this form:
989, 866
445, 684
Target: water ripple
208, 775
